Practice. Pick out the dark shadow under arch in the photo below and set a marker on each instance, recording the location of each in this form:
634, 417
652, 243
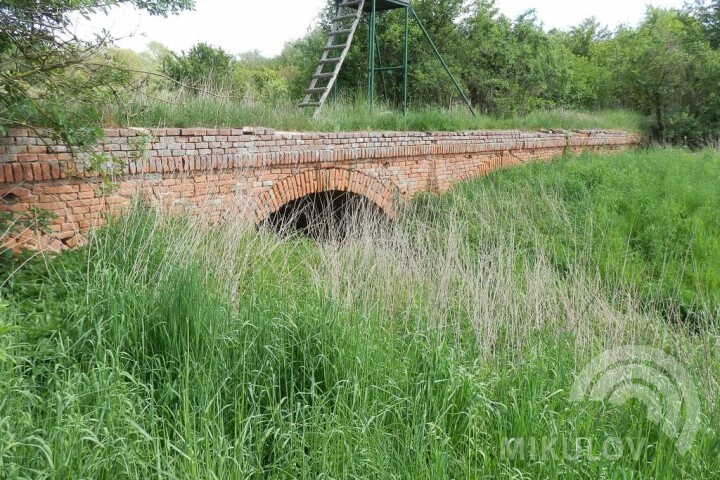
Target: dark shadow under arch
380, 192
327, 215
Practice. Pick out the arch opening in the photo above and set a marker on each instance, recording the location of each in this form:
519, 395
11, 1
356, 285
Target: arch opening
328, 215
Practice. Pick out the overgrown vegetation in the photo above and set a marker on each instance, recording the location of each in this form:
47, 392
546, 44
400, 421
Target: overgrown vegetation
645, 219
666, 69
45, 68
167, 348
192, 110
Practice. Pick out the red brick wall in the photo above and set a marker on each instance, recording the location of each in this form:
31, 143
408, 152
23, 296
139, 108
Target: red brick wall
250, 172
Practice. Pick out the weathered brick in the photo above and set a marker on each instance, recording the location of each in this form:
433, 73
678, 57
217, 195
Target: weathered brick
16, 149
17, 172
55, 170
209, 167
193, 132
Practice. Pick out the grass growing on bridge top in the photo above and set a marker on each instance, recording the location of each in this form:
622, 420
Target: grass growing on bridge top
185, 110
170, 349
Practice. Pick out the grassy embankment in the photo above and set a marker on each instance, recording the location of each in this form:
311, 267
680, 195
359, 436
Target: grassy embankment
189, 110
168, 350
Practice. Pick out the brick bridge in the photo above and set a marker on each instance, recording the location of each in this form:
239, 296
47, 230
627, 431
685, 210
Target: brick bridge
253, 172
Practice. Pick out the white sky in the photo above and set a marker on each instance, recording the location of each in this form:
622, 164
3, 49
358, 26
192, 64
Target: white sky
266, 25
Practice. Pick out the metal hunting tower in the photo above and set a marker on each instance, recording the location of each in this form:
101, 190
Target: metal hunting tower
347, 17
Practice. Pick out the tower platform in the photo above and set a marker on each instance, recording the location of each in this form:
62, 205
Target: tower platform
386, 4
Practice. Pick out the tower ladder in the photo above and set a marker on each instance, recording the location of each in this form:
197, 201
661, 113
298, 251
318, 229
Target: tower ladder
322, 81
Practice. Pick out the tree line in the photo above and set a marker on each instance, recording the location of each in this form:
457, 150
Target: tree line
667, 67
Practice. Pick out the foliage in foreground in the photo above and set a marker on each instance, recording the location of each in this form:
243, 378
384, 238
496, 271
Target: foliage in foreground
167, 349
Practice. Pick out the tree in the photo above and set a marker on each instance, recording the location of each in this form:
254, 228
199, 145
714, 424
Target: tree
709, 16
666, 70
581, 39
260, 79
510, 67
203, 66
49, 77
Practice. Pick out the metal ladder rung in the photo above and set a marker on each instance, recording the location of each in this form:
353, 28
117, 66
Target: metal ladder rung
324, 75
329, 60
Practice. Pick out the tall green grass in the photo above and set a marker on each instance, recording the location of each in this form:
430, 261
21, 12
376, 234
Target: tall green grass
193, 110
170, 349
647, 219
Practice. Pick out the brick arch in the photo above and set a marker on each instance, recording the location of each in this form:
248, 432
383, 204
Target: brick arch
380, 192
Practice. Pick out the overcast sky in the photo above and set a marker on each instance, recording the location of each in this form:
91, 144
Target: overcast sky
266, 25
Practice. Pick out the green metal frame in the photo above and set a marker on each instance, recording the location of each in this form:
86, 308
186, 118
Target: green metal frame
374, 48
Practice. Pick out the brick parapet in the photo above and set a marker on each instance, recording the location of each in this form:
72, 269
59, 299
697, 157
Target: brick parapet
24, 157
